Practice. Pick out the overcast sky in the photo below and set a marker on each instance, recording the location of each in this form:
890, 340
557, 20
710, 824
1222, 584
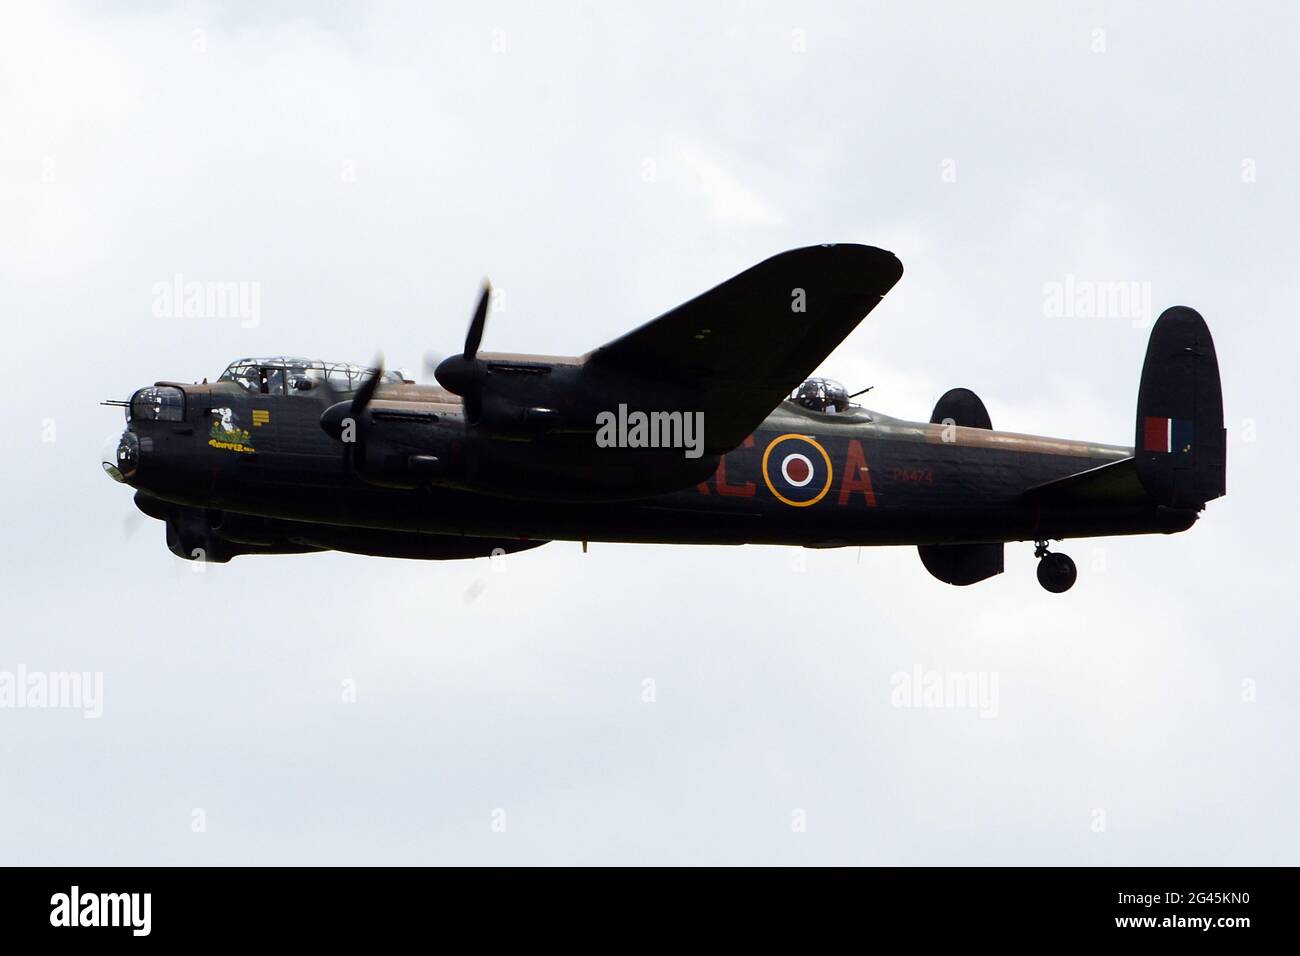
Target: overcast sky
367, 166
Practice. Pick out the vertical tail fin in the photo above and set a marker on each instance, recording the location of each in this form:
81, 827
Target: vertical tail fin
961, 564
1180, 445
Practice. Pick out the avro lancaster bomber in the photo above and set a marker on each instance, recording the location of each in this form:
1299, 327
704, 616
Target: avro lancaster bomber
699, 427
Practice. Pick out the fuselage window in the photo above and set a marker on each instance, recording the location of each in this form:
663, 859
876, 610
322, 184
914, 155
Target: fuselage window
272, 381
302, 381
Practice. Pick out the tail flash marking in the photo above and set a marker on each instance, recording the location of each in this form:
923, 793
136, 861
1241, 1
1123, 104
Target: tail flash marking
1166, 434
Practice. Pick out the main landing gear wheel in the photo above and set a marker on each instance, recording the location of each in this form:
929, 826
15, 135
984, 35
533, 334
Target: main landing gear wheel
1056, 571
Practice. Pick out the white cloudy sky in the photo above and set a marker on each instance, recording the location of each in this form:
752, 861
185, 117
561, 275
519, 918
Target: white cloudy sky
216, 142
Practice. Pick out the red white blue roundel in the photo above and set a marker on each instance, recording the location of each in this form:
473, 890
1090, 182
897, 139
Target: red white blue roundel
797, 470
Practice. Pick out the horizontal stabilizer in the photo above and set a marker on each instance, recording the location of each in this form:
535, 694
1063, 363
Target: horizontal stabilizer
1115, 482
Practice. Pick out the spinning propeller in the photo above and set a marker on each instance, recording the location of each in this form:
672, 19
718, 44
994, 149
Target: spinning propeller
463, 374
335, 418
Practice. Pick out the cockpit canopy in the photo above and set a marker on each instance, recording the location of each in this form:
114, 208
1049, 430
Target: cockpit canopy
283, 374
823, 395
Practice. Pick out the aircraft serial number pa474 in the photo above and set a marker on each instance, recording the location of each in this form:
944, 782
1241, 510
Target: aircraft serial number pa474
700, 427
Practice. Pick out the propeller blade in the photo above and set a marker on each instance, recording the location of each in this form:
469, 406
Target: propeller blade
475, 335
333, 419
367, 390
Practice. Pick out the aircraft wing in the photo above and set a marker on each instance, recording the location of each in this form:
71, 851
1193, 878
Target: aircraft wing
746, 344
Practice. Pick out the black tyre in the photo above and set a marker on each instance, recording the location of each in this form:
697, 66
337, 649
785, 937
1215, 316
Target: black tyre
1056, 572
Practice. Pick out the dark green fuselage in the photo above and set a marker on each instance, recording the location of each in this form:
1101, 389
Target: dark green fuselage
873, 480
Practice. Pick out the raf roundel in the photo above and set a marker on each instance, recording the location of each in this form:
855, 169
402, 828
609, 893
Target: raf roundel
797, 470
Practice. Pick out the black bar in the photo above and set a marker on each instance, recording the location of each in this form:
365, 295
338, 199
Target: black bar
334, 906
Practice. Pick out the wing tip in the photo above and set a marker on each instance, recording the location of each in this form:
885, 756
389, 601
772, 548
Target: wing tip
848, 254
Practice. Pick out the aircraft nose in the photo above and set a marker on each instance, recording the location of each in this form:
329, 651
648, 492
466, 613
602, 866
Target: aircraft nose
126, 458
